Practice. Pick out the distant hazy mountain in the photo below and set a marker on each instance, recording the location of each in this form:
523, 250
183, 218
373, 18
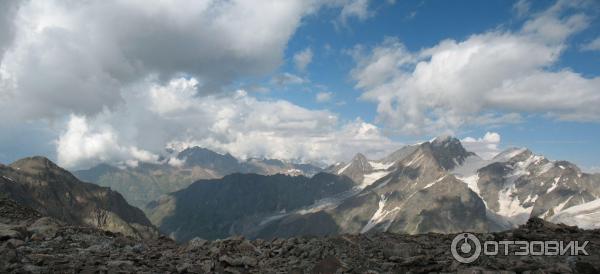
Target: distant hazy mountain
40, 184
435, 186
147, 181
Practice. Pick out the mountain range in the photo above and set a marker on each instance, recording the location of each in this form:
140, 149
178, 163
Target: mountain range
434, 186
146, 182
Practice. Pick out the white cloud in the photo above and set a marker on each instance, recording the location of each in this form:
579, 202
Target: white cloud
81, 145
76, 57
593, 45
240, 124
117, 81
175, 162
107, 67
490, 77
486, 147
63, 57
175, 96
322, 97
303, 58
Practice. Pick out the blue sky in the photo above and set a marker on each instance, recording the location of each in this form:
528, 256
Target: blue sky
421, 24
81, 89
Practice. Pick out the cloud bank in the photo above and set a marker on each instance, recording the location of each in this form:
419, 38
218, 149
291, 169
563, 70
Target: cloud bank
118, 81
489, 78
159, 116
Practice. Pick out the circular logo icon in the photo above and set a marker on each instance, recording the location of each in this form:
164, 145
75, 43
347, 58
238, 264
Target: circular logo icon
466, 248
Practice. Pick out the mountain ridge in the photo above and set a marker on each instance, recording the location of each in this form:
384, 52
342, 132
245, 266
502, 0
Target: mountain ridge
43, 185
146, 182
439, 186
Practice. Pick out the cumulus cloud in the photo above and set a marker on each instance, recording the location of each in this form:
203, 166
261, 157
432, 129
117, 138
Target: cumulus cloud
81, 145
486, 147
128, 77
490, 77
77, 57
303, 58
170, 116
322, 97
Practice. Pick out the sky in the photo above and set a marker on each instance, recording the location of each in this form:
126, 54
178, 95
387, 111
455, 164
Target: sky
124, 81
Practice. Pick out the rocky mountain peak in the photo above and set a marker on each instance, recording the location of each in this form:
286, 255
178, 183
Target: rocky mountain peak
361, 162
509, 153
198, 156
521, 155
448, 151
442, 139
197, 152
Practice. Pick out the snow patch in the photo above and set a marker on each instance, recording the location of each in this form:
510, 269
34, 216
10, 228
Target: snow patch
554, 185
414, 160
343, 168
510, 206
531, 199
471, 182
380, 166
8, 178
545, 168
293, 171
470, 166
584, 216
370, 178
377, 216
435, 182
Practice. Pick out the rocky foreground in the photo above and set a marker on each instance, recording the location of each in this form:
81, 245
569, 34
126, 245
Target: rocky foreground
32, 243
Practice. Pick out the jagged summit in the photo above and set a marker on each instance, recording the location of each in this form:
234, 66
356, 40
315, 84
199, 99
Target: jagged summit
448, 151
509, 153
206, 157
442, 139
361, 162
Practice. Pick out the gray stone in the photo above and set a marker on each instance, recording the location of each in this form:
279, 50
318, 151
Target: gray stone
44, 228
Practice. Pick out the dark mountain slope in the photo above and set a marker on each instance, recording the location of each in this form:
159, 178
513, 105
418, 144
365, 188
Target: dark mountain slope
236, 203
42, 185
